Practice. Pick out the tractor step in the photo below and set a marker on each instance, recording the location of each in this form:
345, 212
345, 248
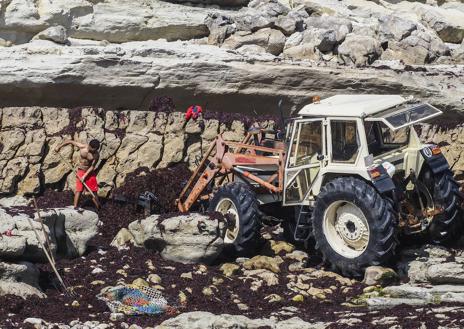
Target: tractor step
303, 226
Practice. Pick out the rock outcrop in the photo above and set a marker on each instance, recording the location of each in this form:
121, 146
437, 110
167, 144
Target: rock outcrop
131, 74
68, 231
21, 279
191, 238
74, 229
207, 320
114, 21
435, 275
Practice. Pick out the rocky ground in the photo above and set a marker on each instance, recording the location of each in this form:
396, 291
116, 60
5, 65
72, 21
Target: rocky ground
277, 287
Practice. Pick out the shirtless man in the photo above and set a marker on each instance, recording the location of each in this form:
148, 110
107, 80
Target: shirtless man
86, 170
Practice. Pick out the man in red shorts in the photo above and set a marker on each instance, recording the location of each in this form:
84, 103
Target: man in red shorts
86, 170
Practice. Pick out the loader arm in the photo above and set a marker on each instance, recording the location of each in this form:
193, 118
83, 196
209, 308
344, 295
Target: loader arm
200, 178
225, 159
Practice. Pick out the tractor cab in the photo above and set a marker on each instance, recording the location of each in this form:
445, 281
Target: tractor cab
346, 135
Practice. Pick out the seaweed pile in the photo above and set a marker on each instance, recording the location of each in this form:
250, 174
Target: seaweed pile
116, 266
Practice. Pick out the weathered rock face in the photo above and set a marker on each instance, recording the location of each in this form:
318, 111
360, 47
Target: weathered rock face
208, 320
189, 238
74, 228
435, 275
130, 75
21, 279
68, 231
113, 21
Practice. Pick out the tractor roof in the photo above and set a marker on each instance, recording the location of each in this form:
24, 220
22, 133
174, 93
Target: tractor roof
351, 105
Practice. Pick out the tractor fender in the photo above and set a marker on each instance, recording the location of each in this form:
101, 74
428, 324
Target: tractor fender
435, 161
383, 183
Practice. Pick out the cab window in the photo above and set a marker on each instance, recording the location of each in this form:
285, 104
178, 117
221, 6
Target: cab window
345, 141
381, 139
306, 144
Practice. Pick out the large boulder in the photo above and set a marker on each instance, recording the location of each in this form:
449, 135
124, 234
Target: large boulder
260, 14
20, 279
273, 41
220, 27
74, 227
446, 273
56, 34
293, 21
23, 243
359, 50
432, 265
420, 47
68, 231
395, 28
448, 23
339, 25
190, 238
207, 320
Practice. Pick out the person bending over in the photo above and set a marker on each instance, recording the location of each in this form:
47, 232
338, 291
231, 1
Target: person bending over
86, 170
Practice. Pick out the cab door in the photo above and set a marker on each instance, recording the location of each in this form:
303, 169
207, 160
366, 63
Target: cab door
306, 151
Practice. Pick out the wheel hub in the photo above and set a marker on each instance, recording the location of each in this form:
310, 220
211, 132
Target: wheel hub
350, 227
346, 229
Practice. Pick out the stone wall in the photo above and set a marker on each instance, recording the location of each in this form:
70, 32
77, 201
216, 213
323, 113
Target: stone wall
130, 140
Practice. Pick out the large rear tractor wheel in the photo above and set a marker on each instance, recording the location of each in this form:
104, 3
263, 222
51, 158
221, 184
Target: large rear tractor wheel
239, 203
448, 224
353, 226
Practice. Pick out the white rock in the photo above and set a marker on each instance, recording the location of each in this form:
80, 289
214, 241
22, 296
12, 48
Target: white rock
34, 321
21, 279
396, 28
375, 275
77, 227
188, 238
54, 33
116, 316
203, 320
452, 273
359, 50
17, 200
382, 302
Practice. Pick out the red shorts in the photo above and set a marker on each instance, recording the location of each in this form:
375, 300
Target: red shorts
90, 181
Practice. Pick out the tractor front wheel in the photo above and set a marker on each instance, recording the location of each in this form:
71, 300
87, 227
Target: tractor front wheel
239, 204
353, 226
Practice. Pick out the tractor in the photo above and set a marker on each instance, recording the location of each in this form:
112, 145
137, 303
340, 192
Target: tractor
349, 172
